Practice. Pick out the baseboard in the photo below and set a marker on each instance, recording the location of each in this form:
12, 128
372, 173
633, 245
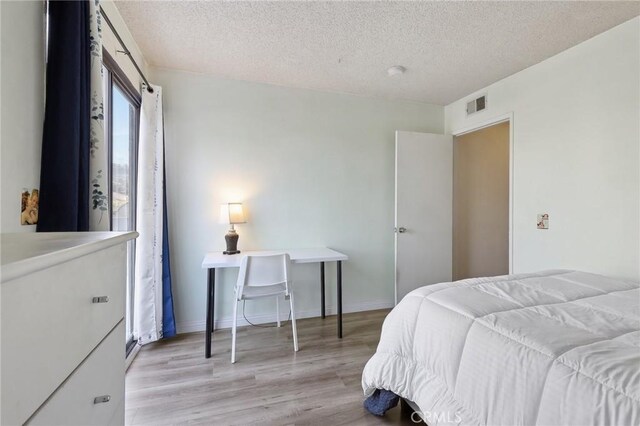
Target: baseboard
193, 326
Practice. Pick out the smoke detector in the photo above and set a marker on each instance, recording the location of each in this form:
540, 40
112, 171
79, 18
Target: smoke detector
396, 70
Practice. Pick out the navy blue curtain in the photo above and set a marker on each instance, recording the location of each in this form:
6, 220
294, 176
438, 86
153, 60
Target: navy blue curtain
64, 173
168, 319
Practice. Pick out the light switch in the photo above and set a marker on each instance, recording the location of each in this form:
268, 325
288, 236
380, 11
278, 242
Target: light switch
543, 221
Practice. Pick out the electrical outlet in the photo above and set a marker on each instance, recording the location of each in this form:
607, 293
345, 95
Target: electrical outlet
543, 221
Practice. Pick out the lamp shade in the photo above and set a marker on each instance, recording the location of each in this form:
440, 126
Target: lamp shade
232, 213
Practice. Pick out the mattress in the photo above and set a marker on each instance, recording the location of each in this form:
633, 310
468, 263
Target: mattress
549, 348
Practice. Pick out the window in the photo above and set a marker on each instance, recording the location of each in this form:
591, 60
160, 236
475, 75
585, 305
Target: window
122, 115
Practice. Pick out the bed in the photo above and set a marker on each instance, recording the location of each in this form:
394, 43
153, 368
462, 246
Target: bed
549, 348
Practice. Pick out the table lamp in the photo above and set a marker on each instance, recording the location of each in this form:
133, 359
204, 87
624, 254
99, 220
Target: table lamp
232, 214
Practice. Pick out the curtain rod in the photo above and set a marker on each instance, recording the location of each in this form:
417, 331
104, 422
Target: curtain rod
126, 50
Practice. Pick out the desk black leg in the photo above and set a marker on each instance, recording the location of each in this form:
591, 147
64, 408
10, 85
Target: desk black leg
339, 285
322, 288
213, 298
211, 289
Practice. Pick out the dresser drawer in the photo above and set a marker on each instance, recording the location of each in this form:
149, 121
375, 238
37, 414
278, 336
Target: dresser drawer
50, 323
100, 375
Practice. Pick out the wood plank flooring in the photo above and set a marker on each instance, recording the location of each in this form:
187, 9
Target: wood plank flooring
170, 382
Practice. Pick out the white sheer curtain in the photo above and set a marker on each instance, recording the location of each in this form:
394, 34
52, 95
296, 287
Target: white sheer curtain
99, 159
147, 321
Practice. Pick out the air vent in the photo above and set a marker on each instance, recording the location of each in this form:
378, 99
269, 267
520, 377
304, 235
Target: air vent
477, 105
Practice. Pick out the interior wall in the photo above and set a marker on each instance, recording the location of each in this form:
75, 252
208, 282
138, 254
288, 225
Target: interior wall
481, 203
21, 105
576, 155
312, 169
22, 88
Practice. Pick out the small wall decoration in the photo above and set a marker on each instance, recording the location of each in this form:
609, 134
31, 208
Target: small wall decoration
29, 207
543, 221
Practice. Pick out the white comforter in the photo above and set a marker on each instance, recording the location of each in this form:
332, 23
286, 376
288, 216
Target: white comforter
552, 348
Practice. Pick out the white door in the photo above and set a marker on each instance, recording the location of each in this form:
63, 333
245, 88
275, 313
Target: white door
424, 210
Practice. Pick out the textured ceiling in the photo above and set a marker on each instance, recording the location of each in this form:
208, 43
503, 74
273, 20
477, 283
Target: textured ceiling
450, 49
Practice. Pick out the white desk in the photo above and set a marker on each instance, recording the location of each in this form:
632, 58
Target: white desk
212, 261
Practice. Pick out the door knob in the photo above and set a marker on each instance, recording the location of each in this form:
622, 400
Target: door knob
402, 230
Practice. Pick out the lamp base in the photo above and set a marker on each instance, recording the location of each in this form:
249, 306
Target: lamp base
232, 242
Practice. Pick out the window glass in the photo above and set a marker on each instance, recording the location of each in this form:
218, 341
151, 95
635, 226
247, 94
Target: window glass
122, 141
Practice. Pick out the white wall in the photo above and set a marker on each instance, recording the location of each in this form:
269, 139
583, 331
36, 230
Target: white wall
576, 154
313, 169
22, 75
21, 105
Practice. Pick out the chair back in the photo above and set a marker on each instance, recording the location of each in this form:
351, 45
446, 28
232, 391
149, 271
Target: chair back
264, 270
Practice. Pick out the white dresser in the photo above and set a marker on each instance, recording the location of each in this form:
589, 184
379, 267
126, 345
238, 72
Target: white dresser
62, 327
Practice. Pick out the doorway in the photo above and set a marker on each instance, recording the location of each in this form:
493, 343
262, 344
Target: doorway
481, 190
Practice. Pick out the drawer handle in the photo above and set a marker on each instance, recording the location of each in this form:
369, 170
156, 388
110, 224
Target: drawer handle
101, 399
100, 299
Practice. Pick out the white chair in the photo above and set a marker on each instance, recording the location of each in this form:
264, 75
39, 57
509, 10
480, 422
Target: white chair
264, 276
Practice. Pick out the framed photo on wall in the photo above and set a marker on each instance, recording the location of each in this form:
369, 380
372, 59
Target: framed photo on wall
29, 206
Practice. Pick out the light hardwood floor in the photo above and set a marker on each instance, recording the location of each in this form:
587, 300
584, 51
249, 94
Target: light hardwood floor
170, 382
